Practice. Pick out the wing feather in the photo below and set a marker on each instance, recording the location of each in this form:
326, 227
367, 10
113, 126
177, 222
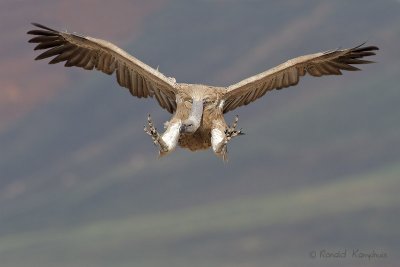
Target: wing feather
289, 73
86, 52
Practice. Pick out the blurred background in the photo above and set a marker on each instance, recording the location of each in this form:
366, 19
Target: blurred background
318, 168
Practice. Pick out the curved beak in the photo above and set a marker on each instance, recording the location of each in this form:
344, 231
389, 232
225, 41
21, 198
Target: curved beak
182, 129
193, 121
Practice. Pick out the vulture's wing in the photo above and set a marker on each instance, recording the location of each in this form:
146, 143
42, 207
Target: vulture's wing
289, 73
88, 53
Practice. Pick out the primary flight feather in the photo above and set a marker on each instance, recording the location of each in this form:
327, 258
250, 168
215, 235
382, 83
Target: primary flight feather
197, 121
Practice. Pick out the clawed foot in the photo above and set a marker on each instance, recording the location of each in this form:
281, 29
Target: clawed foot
231, 131
222, 149
152, 131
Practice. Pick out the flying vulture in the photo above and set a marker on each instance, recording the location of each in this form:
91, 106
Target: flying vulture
197, 110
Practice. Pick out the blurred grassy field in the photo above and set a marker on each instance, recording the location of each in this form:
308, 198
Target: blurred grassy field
150, 237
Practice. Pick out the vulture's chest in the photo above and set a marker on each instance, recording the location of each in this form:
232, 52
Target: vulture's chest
201, 139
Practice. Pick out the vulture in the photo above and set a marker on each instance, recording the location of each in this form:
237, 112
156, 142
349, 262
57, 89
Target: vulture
197, 110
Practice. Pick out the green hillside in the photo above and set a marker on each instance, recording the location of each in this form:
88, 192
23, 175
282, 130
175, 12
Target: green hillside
229, 232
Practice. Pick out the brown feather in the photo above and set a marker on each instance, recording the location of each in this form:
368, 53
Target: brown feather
65, 55
289, 73
90, 53
42, 39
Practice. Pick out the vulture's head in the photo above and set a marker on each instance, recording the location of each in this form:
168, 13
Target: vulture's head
188, 127
198, 98
192, 123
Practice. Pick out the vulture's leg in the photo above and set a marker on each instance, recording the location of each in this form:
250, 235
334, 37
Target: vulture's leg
218, 143
221, 135
166, 141
231, 131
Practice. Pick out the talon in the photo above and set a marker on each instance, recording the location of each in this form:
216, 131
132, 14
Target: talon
231, 131
235, 122
155, 136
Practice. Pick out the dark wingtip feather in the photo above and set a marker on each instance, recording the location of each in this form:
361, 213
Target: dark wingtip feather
48, 44
362, 48
43, 30
38, 57
361, 61
360, 45
43, 27
374, 47
43, 39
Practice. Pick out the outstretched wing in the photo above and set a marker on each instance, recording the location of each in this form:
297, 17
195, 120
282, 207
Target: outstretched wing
88, 53
289, 73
